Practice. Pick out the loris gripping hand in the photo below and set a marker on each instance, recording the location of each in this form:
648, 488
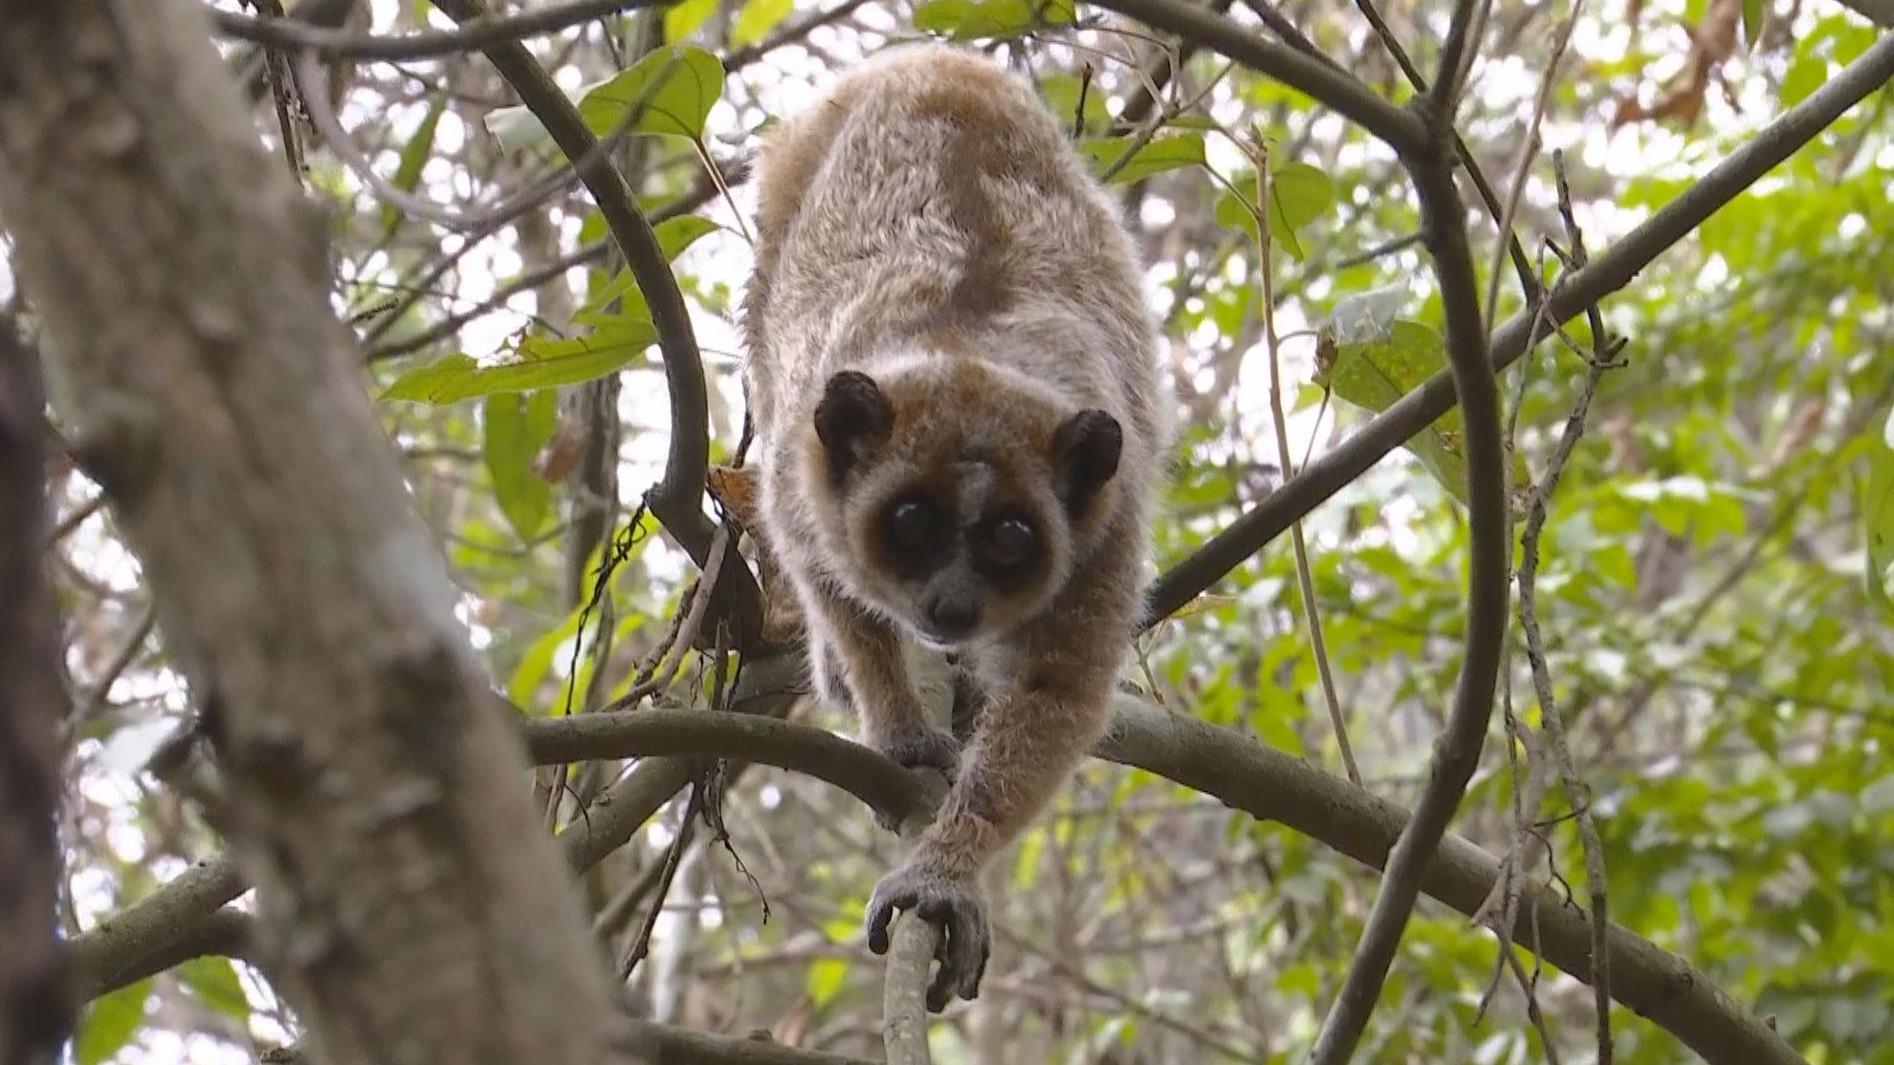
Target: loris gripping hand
951, 905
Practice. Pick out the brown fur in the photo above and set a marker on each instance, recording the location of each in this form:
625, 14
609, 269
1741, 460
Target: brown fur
927, 226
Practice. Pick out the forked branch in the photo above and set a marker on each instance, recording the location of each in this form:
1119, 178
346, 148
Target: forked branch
1266, 783
678, 498
1606, 274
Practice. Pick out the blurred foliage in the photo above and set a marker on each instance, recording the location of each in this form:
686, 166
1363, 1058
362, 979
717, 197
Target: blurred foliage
1712, 586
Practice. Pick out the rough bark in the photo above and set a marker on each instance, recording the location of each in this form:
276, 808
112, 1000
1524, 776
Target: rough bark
411, 907
36, 1001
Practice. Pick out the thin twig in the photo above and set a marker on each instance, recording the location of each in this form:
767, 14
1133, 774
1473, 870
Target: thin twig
276, 73
699, 194
1392, 44
1336, 88
641, 945
120, 661
77, 518
1528, 150
1577, 791
1528, 282
788, 35
1386, 247
309, 79
1310, 615
1157, 122
1456, 57
687, 630
1528, 986
471, 35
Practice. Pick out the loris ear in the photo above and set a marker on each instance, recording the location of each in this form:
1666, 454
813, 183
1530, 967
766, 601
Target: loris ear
852, 418
1085, 455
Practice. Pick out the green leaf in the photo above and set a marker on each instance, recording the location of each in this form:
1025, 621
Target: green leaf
1026, 862
1374, 373
540, 362
515, 427
537, 661
968, 20
1368, 314
1806, 74
1877, 513
413, 157
678, 104
109, 1023
1752, 22
825, 979
757, 18
213, 981
676, 234
683, 19
1160, 153
1299, 194
1061, 94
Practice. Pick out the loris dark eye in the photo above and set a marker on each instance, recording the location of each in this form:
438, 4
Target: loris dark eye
1011, 542
911, 525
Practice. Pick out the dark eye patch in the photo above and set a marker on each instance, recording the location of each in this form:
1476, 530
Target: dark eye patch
1006, 546
915, 535
1010, 542
911, 524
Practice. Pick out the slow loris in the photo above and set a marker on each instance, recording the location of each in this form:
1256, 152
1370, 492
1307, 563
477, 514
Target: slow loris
961, 425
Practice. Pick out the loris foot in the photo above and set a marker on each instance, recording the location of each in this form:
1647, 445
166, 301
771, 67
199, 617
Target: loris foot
954, 907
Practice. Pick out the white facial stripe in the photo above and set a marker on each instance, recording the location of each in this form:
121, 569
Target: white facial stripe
973, 487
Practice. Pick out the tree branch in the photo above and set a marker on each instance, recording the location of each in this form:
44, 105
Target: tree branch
472, 34
858, 770
1273, 786
1334, 88
36, 1005
115, 952
767, 687
1457, 749
1879, 12
1245, 775
1607, 273
678, 498
666, 1045
223, 933
219, 406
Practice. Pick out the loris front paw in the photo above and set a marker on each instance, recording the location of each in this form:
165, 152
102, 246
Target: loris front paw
923, 748
951, 905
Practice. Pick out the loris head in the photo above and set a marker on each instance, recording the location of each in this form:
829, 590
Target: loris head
961, 495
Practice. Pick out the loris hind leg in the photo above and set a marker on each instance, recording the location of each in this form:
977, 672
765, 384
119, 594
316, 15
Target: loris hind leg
862, 655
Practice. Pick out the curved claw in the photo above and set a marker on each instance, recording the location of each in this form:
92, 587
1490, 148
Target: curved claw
949, 904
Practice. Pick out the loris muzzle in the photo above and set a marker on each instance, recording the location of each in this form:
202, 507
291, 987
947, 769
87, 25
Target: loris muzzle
961, 429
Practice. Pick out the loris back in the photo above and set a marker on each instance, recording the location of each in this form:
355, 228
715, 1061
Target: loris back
961, 422
930, 199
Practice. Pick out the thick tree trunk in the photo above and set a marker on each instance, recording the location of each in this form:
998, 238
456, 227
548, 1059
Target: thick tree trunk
36, 999
414, 910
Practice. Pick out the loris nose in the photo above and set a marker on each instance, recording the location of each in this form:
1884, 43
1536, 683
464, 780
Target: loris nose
952, 615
